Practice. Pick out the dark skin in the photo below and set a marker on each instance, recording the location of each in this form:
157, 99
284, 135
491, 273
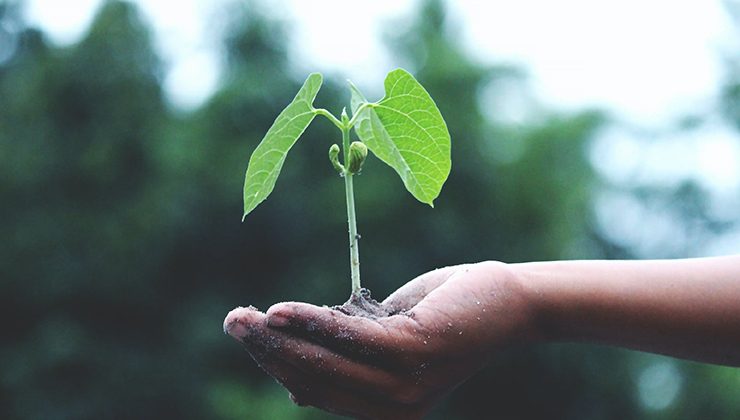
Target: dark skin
451, 321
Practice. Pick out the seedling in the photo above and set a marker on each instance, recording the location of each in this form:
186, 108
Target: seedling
404, 129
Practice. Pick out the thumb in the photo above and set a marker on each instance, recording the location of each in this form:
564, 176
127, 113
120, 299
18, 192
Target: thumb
413, 292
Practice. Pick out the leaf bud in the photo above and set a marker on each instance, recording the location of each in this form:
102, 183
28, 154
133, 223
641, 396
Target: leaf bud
344, 117
357, 155
334, 158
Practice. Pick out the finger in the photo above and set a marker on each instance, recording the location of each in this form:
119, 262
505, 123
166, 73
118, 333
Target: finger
441, 310
375, 341
240, 320
457, 311
306, 390
417, 289
249, 326
251, 329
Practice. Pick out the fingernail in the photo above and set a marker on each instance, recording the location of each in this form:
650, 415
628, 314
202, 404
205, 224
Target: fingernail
237, 330
277, 321
234, 325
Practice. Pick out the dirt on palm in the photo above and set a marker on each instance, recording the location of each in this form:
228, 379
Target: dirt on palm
363, 305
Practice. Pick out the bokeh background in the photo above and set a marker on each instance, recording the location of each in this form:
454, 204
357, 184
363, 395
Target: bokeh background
123, 144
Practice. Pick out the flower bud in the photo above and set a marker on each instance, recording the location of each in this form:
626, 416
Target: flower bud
357, 155
334, 158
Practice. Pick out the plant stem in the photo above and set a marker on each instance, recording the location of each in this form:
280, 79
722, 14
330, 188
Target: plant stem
357, 113
354, 245
321, 111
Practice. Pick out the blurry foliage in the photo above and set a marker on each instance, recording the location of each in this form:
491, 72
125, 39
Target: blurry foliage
731, 97
122, 249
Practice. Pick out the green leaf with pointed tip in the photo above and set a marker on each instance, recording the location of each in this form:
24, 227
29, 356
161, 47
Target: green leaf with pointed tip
267, 159
406, 131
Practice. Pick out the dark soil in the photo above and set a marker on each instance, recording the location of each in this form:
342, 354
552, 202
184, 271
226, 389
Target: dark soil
363, 305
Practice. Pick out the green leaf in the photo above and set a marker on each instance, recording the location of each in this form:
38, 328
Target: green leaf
406, 130
267, 159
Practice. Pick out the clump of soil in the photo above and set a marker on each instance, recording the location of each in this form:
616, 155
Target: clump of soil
363, 305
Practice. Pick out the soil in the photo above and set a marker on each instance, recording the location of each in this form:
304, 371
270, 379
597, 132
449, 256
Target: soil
363, 305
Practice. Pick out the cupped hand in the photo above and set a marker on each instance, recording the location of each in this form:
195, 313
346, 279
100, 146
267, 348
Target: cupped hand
444, 327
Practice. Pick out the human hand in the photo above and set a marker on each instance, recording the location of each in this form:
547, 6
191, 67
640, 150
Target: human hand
442, 329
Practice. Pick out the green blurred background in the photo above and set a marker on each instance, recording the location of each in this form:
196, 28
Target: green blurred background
122, 248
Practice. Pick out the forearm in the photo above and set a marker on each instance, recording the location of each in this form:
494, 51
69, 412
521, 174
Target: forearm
683, 308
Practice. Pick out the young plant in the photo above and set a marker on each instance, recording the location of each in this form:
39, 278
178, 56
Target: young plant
404, 129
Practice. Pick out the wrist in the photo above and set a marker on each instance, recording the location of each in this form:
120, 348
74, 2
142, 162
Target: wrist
538, 321
517, 307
